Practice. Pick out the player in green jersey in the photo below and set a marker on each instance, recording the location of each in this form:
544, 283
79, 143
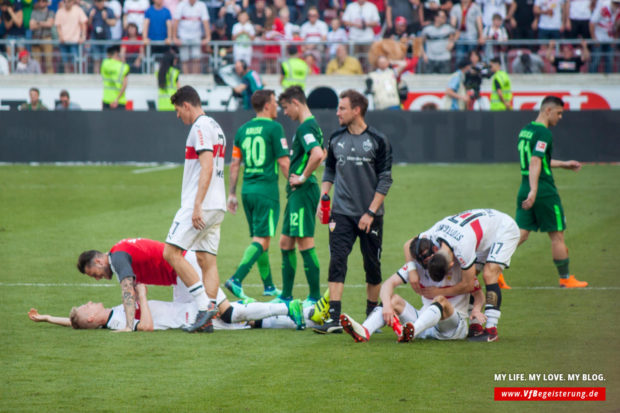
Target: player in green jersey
538, 202
261, 145
302, 196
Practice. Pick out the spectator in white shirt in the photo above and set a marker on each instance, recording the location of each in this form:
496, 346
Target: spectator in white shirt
551, 18
336, 34
190, 30
133, 12
243, 33
578, 22
360, 18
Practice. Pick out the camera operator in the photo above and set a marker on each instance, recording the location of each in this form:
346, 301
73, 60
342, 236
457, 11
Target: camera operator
473, 78
250, 83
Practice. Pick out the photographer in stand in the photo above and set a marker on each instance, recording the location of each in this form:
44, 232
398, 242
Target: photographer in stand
473, 78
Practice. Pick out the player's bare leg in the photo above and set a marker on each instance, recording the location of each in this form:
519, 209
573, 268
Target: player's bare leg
525, 234
490, 274
559, 252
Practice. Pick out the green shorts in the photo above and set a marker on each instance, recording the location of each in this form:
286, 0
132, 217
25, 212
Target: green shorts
262, 214
547, 214
300, 211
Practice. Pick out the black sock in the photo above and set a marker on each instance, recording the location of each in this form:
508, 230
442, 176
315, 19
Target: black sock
370, 305
334, 310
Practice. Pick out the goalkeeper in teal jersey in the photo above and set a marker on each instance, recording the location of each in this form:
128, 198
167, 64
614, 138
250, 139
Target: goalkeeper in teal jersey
302, 196
538, 202
261, 145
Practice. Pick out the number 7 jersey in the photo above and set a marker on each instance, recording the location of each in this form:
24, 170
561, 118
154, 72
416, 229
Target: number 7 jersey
477, 235
259, 143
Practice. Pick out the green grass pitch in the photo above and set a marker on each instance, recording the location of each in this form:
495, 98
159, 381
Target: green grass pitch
49, 214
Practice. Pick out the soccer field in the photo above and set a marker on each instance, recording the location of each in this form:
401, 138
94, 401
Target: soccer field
50, 214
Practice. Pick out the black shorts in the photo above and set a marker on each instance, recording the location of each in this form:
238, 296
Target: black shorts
342, 236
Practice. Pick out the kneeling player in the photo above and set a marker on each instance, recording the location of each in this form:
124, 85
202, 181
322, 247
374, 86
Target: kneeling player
441, 318
162, 315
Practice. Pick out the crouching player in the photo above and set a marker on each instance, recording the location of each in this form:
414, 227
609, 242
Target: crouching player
442, 317
162, 315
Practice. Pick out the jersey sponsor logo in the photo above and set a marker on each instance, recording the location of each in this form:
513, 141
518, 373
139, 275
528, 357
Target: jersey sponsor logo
218, 151
541, 146
309, 138
284, 143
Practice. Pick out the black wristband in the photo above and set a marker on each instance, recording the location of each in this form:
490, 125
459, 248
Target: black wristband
372, 214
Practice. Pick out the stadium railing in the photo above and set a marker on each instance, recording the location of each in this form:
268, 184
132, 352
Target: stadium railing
267, 54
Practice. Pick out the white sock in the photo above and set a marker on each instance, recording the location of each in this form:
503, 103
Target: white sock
278, 322
200, 296
256, 311
374, 320
428, 318
492, 317
409, 314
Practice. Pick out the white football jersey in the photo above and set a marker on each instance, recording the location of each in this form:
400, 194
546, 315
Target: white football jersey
167, 316
459, 302
476, 234
205, 135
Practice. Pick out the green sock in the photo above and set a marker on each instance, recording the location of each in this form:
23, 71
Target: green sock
562, 266
264, 269
250, 256
289, 266
313, 272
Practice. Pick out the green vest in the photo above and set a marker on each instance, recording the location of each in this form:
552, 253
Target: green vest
113, 72
504, 83
163, 101
295, 72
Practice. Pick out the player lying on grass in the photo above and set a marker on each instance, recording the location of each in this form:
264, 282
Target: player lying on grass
441, 317
139, 260
162, 315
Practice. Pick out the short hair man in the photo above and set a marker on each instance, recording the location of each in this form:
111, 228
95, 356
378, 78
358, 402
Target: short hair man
538, 203
479, 236
65, 102
135, 260
302, 195
447, 314
260, 144
196, 225
359, 167
250, 83
35, 102
501, 89
164, 315
114, 72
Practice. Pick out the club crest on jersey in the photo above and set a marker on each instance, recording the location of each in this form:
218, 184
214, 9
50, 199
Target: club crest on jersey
332, 226
367, 145
309, 138
541, 146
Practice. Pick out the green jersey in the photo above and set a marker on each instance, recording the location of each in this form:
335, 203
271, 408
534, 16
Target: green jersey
262, 142
535, 140
307, 136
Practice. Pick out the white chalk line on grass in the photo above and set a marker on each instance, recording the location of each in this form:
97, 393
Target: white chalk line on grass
156, 168
107, 285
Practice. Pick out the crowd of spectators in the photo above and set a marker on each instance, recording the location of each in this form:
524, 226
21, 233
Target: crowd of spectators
447, 30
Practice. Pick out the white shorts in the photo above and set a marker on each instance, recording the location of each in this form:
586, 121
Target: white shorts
183, 234
507, 239
190, 52
452, 328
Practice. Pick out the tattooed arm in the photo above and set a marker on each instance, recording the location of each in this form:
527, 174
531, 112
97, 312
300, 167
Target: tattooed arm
121, 265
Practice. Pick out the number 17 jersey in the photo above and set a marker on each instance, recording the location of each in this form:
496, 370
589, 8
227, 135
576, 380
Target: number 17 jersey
260, 142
